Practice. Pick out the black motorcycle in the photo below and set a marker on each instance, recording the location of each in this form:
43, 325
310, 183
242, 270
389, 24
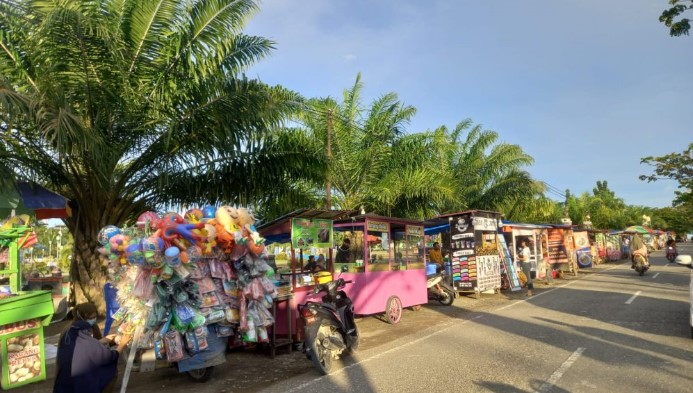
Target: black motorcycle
329, 326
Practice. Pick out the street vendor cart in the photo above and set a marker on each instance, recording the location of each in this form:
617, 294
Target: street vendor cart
474, 250
22, 318
383, 256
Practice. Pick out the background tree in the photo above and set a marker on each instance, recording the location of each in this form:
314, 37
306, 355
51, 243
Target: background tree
678, 167
681, 26
124, 106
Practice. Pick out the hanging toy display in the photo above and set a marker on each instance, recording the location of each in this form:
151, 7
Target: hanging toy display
180, 277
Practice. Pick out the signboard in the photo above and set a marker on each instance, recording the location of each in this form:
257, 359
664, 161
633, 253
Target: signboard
415, 230
22, 353
558, 250
463, 260
377, 226
307, 233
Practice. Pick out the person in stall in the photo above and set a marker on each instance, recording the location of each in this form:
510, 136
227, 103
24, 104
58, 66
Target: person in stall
343, 251
314, 265
85, 363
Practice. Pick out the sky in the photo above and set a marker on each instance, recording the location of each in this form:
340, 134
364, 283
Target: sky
586, 87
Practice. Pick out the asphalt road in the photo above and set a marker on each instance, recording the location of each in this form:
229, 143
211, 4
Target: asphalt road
609, 332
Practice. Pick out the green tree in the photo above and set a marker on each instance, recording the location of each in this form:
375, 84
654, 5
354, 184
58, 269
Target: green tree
669, 17
124, 106
674, 166
487, 174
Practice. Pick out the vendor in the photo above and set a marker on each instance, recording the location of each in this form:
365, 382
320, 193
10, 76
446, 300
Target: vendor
435, 255
85, 363
314, 265
344, 251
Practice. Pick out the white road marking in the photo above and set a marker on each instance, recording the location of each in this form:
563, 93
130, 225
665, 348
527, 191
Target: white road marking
551, 382
655, 276
629, 301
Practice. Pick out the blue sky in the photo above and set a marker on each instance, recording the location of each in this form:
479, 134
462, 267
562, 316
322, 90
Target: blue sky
586, 87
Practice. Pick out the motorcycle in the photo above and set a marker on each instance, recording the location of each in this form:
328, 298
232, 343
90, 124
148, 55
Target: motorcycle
439, 288
641, 264
671, 253
329, 326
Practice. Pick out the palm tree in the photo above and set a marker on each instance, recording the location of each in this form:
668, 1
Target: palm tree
362, 141
124, 106
484, 173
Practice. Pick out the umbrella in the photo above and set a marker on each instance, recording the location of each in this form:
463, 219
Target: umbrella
637, 228
31, 198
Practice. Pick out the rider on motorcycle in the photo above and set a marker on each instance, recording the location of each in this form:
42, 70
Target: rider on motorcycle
639, 248
435, 255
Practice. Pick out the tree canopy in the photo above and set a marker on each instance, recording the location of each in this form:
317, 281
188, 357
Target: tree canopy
126, 105
677, 27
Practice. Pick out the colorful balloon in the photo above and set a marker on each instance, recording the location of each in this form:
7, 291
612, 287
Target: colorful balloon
106, 233
148, 220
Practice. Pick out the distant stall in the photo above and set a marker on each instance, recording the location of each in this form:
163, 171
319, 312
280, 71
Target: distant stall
537, 236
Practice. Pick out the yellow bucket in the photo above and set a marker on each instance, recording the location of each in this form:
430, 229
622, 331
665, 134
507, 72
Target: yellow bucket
322, 277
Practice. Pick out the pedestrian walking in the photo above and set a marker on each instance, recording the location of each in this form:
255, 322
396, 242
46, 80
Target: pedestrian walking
526, 265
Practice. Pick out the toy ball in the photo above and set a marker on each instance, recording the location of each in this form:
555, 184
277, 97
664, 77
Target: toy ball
106, 233
134, 254
148, 219
208, 212
194, 215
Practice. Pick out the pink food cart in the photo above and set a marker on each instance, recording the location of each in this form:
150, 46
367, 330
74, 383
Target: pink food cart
383, 256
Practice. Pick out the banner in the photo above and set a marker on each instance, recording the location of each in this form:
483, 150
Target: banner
307, 233
558, 251
463, 260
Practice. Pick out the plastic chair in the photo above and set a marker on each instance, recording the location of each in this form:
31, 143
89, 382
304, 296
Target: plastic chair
110, 294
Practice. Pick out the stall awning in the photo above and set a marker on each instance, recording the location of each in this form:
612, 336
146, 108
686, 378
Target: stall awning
31, 198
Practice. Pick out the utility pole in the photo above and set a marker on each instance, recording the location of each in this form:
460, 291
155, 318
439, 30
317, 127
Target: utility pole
328, 185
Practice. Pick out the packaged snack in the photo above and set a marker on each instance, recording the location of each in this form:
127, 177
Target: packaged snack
191, 342
224, 330
215, 316
201, 337
174, 346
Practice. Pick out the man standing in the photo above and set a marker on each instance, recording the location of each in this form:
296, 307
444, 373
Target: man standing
526, 265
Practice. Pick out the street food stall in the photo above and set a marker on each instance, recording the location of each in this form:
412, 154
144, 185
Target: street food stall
383, 256
22, 317
537, 236
584, 250
474, 250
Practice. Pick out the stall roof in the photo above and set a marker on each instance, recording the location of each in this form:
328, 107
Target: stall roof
375, 217
444, 218
282, 225
525, 225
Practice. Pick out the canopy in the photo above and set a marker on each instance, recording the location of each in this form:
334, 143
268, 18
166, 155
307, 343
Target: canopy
637, 228
31, 198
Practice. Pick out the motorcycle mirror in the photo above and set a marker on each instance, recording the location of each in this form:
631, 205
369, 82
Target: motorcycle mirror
684, 260
345, 268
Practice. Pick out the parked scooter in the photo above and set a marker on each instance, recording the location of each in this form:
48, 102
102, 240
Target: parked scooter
671, 253
329, 326
641, 264
438, 286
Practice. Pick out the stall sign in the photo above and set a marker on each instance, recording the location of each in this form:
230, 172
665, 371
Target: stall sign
19, 326
307, 233
485, 224
463, 260
377, 226
415, 230
22, 358
558, 251
488, 272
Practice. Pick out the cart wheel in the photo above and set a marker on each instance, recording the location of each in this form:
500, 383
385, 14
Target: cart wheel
201, 374
393, 310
